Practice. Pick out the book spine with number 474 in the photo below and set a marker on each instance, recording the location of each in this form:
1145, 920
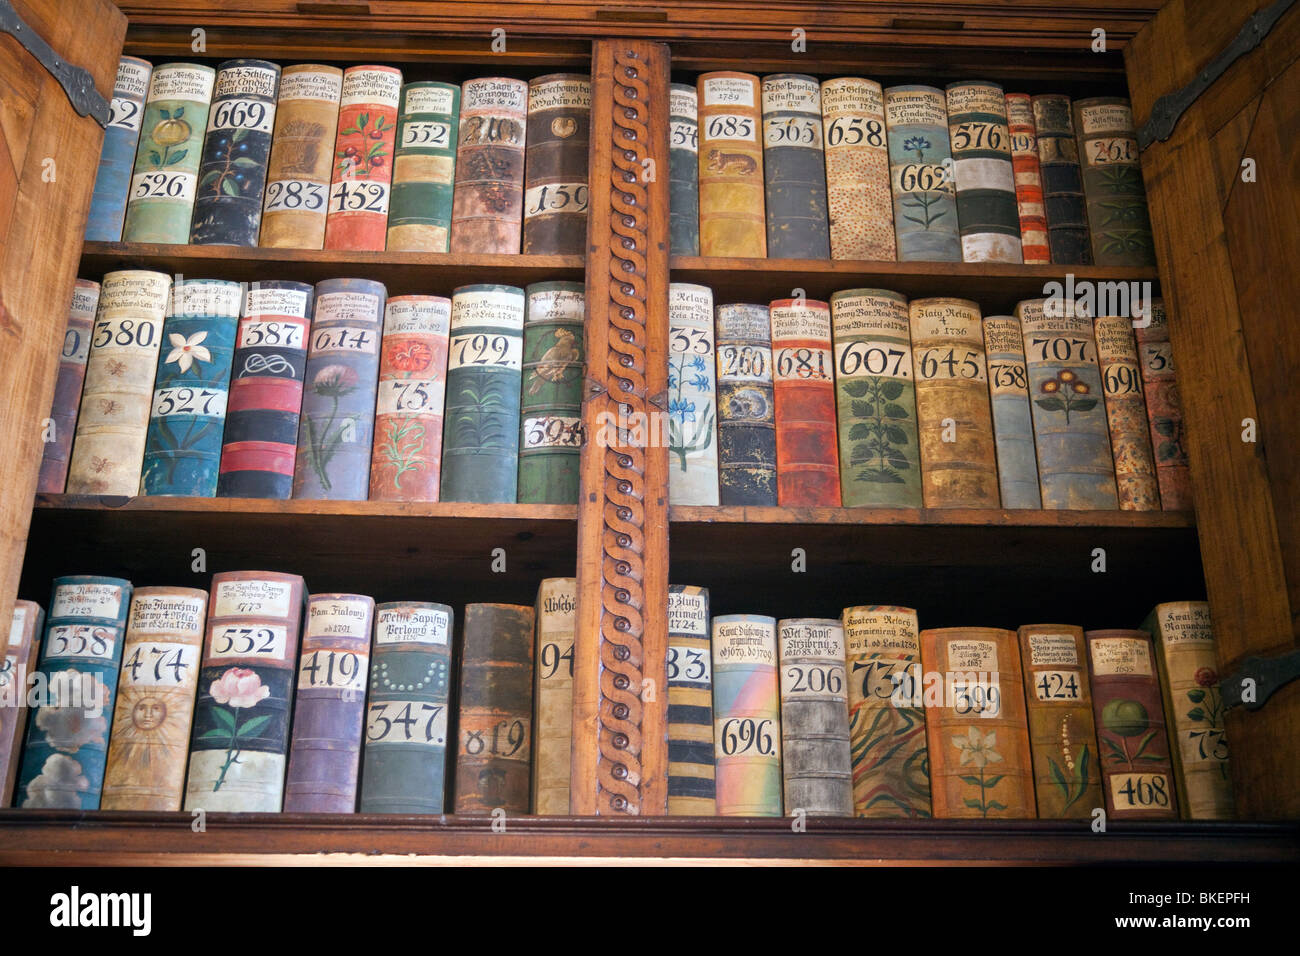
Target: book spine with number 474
67, 388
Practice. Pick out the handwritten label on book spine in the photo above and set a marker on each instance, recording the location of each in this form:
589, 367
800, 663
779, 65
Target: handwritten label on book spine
746, 716
117, 157
692, 397
1126, 414
361, 184
557, 603
1165, 410
302, 158
424, 168
816, 764
1118, 222
794, 168
488, 203
920, 174
985, 179
556, 194
860, 206
1029, 182
746, 414
550, 415
1058, 160
67, 388
732, 219
691, 784
1013, 426
17, 661
684, 170
807, 465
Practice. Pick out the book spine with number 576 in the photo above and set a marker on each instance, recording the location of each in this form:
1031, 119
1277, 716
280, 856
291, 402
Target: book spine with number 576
67, 388
986, 184
361, 186
424, 168
550, 403
117, 157
302, 157
555, 164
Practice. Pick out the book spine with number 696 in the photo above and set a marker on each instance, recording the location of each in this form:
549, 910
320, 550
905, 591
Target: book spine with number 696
557, 604
117, 156
803, 386
550, 403
67, 388
746, 416
487, 208
691, 785
746, 716
732, 221
1013, 425
424, 168
794, 168
815, 761
556, 195
361, 184
22, 643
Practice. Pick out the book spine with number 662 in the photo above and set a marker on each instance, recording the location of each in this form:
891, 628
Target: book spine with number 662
920, 174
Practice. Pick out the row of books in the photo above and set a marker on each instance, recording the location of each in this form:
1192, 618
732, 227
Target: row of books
203, 387
789, 167
314, 157
870, 400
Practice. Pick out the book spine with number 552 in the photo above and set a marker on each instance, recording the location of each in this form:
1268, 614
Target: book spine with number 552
302, 157
691, 784
67, 388
117, 157
746, 716
557, 603
424, 168
363, 159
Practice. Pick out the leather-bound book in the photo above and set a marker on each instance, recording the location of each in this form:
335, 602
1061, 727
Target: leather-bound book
557, 605
361, 185
1126, 414
261, 437
746, 716
1137, 774
683, 170
241, 720
488, 203
1067, 772
891, 768
494, 746
1034, 247
164, 180
67, 388
68, 733
692, 397
980, 763
1075, 467
182, 449
815, 761
732, 221
108, 450
406, 718
691, 784
954, 423
555, 164
803, 383
22, 643
155, 699
794, 168
1058, 161
746, 415
339, 385
920, 177
1164, 409
424, 168
1118, 222
330, 705
986, 184
550, 403
302, 157
480, 445
232, 173
117, 156
875, 399
1013, 425
859, 202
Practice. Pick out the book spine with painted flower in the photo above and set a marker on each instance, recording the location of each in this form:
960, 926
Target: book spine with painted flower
1118, 222
67, 388
920, 174
117, 157
692, 397
22, 643
361, 186
550, 404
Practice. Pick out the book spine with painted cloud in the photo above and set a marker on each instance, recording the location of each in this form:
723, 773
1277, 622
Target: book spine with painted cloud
803, 385
859, 204
794, 168
424, 168
488, 203
555, 164
1058, 162
361, 185
1034, 245
1013, 426
732, 220
1126, 413
22, 644
746, 415
692, 397
67, 388
985, 179
920, 177
746, 716
117, 157
691, 785
815, 759
550, 404
683, 170
1118, 222
1164, 409
557, 604
302, 157
155, 700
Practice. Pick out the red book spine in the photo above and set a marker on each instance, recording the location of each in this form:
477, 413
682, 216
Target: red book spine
807, 462
1164, 409
1029, 179
363, 159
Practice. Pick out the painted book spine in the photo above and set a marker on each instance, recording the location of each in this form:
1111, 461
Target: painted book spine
361, 184
746, 716
117, 157
302, 157
555, 164
1126, 413
488, 203
1058, 161
684, 170
986, 182
803, 383
920, 178
67, 387
550, 403
1165, 410
732, 218
794, 168
858, 200
691, 785
746, 415
1034, 246
1118, 222
1013, 426
815, 760
692, 397
557, 604
424, 168
22, 645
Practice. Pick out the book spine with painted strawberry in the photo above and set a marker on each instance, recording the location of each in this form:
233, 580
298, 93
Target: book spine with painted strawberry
746, 415
1164, 409
683, 170
920, 175
816, 765
240, 739
803, 385
557, 604
691, 785
1118, 222
692, 397
1126, 414
361, 185
117, 157
67, 388
555, 164
746, 716
1013, 426
987, 212
732, 218
22, 643
794, 168
424, 168
302, 157
859, 205
550, 413
1058, 162
487, 207
1029, 180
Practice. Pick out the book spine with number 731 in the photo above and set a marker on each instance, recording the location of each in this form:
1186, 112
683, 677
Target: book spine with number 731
363, 159
67, 388
732, 221
487, 206
22, 642
746, 416
1126, 414
1013, 426
557, 603
987, 211
117, 157
746, 716
424, 168
803, 386
815, 760
794, 168
550, 403
555, 167
302, 157
691, 784
920, 174
1164, 409
861, 209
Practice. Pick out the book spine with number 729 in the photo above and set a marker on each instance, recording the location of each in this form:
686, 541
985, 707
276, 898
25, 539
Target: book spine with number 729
424, 168
550, 404
21, 643
67, 388
920, 174
861, 209
803, 386
555, 164
986, 184
360, 188
117, 157
746, 416
815, 760
746, 716
692, 397
1164, 409
557, 603
794, 168
732, 221
691, 784
684, 170
487, 207
1126, 414
1029, 181
302, 157
1013, 426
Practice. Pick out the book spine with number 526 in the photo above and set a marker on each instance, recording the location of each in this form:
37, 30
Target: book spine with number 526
302, 157
361, 186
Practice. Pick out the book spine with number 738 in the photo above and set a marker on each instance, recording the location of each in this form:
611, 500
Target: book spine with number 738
1013, 426
363, 159
117, 157
746, 716
67, 388
691, 785
302, 157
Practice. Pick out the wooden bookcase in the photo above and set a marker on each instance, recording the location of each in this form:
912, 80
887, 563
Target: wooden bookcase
999, 568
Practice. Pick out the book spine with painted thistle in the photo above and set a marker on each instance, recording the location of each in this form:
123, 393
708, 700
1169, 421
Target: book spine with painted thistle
1137, 775
1058, 162
1189, 679
557, 603
361, 185
240, 739
22, 643
155, 700
329, 705
81, 654
732, 219
117, 157
794, 168
1118, 222
691, 785
987, 211
1034, 245
803, 385
1126, 413
692, 397
405, 756
67, 388
161, 200
550, 403
302, 157
480, 446
980, 764
487, 206
815, 764
108, 450
1062, 735
424, 168
746, 416
746, 716
232, 173
336, 430
555, 164
1164, 409
859, 205
684, 170
920, 178
891, 771
494, 746
1013, 426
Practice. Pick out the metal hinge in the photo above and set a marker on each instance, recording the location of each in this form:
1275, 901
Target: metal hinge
1257, 678
75, 80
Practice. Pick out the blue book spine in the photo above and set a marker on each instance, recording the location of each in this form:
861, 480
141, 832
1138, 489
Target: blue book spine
921, 174
117, 158
1013, 426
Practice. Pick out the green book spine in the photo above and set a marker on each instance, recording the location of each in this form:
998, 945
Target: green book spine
1118, 220
550, 429
424, 168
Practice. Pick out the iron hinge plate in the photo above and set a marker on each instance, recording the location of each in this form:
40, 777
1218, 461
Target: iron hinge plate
76, 81
1258, 678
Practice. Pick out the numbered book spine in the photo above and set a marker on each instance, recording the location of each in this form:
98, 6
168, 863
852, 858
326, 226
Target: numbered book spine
550, 415
1034, 245
67, 388
155, 700
816, 764
557, 603
683, 170
1067, 773
1013, 426
1075, 467
691, 785
746, 415
241, 720
480, 445
424, 168
302, 157
859, 204
361, 183
891, 769
692, 397
338, 403
746, 716
1164, 409
1118, 222
807, 464
555, 169
920, 175
1137, 775
261, 437
117, 157
732, 220
406, 717
108, 451
1058, 160
980, 763
21, 647
985, 179
1189, 679
954, 422
407, 460
329, 708
232, 174
496, 709
161, 200
794, 168
67, 734
1126, 414
488, 203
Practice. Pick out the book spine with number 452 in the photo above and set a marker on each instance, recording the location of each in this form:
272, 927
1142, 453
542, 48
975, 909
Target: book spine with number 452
361, 185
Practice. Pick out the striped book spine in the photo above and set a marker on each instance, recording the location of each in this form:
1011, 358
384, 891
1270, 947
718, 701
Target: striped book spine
557, 604
1029, 181
683, 170
746, 716
117, 157
691, 785
1165, 410
985, 179
920, 177
807, 465
488, 203
732, 220
859, 204
746, 415
550, 404
67, 388
302, 157
555, 164
361, 185
815, 762
1013, 426
1126, 414
1118, 222
424, 168
794, 168
1058, 160
692, 397
22, 644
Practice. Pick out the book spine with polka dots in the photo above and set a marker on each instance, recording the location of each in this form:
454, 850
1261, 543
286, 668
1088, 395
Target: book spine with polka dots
859, 202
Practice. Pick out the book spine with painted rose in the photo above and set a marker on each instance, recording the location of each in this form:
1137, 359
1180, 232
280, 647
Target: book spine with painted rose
1058, 162
691, 785
488, 202
117, 156
732, 218
803, 385
361, 184
692, 397
1013, 426
920, 175
22, 644
1164, 409
746, 415
550, 403
1034, 245
1126, 414
987, 211
815, 756
1118, 222
302, 157
684, 170
555, 164
794, 168
746, 716
67, 388
860, 208
557, 604
424, 168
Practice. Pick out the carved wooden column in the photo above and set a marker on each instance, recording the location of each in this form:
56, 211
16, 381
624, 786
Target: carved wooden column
620, 746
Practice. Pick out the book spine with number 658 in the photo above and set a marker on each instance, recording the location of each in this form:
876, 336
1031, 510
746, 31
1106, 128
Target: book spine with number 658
859, 204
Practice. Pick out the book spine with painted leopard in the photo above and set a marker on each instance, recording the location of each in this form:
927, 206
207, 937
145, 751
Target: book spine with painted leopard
555, 164
550, 403
987, 211
557, 604
1034, 245
487, 206
302, 157
920, 177
424, 168
684, 170
691, 784
1058, 162
1126, 414
746, 415
67, 388
859, 205
794, 168
117, 157
1013, 426
815, 760
732, 217
361, 184
22, 643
